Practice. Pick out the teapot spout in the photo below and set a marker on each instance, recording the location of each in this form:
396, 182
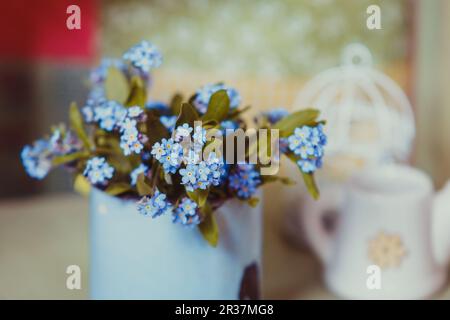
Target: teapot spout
441, 226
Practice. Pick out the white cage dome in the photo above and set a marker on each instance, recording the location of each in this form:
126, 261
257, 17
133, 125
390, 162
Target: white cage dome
368, 115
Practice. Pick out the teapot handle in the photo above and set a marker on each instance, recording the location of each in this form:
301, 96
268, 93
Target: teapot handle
441, 225
317, 236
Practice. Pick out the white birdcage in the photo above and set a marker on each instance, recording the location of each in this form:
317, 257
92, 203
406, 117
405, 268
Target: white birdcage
368, 115
369, 121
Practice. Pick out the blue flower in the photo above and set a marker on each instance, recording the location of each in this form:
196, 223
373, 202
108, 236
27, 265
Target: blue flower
136, 147
203, 171
202, 174
284, 145
110, 115
125, 146
91, 104
130, 139
189, 176
183, 132
199, 137
309, 165
171, 146
171, 162
135, 112
146, 156
168, 122
228, 126
294, 142
37, 159
195, 174
142, 168
88, 114
308, 143
130, 143
186, 213
130, 135
216, 169
144, 56
107, 124
169, 154
244, 180
276, 114
154, 206
156, 105
98, 171
99, 74
63, 142
128, 125
303, 133
203, 95
97, 93
305, 150
318, 137
158, 151
88, 110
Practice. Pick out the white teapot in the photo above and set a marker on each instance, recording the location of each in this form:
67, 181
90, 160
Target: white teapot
391, 239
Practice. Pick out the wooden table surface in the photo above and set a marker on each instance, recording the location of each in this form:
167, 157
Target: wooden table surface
41, 236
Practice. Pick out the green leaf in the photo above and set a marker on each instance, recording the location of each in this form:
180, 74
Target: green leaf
175, 103
120, 162
156, 171
155, 129
208, 227
59, 160
237, 112
207, 125
118, 188
308, 178
188, 115
283, 180
218, 107
142, 185
199, 196
138, 94
116, 85
310, 184
297, 119
253, 202
82, 185
76, 122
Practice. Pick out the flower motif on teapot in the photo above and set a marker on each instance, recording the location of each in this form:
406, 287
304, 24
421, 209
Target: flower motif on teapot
386, 250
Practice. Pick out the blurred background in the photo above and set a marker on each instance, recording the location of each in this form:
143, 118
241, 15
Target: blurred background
267, 49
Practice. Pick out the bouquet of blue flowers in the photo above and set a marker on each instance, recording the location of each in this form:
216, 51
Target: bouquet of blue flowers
170, 157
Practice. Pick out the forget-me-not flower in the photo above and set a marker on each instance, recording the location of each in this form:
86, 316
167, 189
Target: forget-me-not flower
144, 56
244, 181
142, 168
154, 206
203, 95
168, 122
276, 114
98, 171
37, 159
186, 213
308, 143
